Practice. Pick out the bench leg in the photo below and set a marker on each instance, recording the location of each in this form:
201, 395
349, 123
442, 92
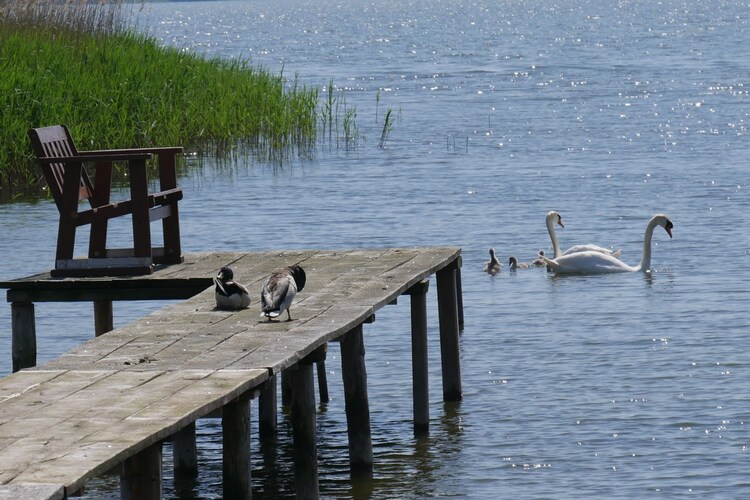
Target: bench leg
171, 224
141, 221
24, 335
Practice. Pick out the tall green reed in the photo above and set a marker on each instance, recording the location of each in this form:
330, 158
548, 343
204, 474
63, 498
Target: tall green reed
116, 88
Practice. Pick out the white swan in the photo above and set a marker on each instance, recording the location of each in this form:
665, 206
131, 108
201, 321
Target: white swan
553, 218
600, 263
493, 265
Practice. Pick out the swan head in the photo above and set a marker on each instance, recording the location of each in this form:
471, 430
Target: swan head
554, 218
664, 222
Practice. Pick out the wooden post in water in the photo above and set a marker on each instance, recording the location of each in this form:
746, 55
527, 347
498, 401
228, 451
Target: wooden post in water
103, 320
356, 401
303, 431
419, 371
267, 415
286, 388
450, 355
140, 478
320, 367
235, 424
185, 453
23, 335
459, 295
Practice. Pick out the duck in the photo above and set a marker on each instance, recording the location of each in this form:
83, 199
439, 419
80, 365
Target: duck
539, 261
553, 218
591, 262
279, 291
514, 264
493, 265
230, 295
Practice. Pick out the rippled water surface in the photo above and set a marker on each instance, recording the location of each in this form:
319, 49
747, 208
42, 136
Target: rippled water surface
618, 386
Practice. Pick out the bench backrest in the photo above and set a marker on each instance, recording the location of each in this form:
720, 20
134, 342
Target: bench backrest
56, 142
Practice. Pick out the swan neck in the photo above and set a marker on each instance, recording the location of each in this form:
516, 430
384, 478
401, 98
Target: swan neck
646, 260
553, 236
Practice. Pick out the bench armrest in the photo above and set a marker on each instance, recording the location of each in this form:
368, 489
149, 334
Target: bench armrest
155, 150
95, 158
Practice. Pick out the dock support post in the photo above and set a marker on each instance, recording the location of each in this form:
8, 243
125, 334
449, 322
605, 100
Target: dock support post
23, 335
286, 388
419, 371
356, 401
267, 415
140, 478
320, 367
235, 424
103, 320
185, 454
450, 355
459, 295
303, 431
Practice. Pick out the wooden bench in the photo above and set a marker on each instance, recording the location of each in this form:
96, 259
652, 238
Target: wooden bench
69, 182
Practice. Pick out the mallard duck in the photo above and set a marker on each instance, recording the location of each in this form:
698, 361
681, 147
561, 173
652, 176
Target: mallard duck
230, 294
493, 265
279, 290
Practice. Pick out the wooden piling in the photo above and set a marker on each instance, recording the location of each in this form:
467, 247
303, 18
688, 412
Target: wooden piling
141, 475
450, 354
419, 366
103, 319
304, 432
23, 335
459, 295
356, 401
286, 389
185, 453
267, 414
235, 424
320, 367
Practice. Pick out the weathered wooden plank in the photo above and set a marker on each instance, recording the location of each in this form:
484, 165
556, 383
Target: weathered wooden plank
32, 491
40, 396
91, 443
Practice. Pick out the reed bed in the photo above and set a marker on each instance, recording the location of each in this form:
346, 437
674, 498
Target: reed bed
115, 88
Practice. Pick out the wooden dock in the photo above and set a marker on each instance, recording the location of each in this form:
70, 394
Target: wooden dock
113, 400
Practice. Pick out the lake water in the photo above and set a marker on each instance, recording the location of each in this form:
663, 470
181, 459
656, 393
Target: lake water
616, 386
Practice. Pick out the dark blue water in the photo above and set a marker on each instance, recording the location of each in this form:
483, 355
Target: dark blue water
617, 386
